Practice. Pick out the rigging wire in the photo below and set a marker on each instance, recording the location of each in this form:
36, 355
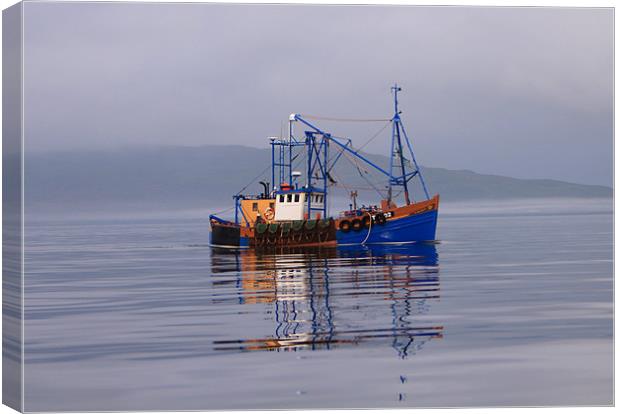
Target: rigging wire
254, 180
348, 157
325, 118
356, 187
338, 182
375, 136
223, 211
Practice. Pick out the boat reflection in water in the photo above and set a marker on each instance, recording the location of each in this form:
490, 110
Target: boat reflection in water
333, 297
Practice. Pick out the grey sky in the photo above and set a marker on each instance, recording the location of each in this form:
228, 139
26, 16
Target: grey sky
525, 92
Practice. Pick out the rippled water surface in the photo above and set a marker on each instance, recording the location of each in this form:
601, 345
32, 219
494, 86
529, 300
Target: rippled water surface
512, 307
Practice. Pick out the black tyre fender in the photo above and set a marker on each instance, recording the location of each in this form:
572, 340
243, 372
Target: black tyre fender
380, 219
345, 226
357, 225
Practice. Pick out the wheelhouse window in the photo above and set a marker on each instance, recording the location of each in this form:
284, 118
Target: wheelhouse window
289, 198
297, 198
281, 198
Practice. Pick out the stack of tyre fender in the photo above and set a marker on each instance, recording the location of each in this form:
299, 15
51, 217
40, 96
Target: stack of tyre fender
294, 233
359, 223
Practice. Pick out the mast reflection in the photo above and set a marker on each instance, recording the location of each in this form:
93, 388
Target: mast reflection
326, 298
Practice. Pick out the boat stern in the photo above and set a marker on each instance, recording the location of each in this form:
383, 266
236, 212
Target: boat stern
226, 234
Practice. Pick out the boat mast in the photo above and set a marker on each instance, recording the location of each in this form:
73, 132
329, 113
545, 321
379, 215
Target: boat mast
397, 151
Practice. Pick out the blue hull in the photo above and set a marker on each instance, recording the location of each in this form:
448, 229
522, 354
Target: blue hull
415, 228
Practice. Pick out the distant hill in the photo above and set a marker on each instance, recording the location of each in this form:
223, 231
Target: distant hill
195, 177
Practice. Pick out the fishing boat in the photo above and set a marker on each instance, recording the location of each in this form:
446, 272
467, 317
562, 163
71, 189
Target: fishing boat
295, 214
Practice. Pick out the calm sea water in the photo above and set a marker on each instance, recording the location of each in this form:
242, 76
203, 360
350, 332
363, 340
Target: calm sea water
514, 306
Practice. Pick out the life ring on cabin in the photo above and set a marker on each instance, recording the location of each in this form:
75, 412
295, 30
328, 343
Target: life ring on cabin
380, 219
345, 226
356, 224
269, 213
